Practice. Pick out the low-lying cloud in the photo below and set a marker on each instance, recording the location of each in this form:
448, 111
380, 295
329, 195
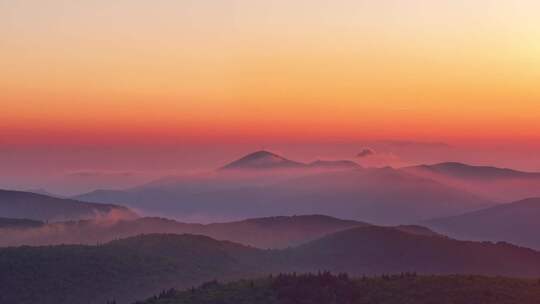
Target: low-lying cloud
370, 158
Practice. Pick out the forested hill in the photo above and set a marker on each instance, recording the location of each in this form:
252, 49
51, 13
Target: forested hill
137, 267
330, 289
126, 270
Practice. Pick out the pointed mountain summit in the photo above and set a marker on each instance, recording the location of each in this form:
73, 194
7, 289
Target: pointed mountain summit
262, 160
268, 160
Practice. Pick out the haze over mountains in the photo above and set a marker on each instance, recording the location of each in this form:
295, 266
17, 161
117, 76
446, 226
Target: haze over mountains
515, 223
262, 184
133, 140
265, 184
272, 232
141, 256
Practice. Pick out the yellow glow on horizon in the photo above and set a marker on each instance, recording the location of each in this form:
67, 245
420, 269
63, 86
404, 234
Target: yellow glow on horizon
358, 68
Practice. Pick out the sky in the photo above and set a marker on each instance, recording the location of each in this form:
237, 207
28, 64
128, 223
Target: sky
110, 86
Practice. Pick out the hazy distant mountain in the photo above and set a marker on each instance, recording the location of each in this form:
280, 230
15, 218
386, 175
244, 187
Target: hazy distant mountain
26, 205
381, 196
267, 160
262, 160
465, 171
498, 184
272, 232
141, 266
517, 223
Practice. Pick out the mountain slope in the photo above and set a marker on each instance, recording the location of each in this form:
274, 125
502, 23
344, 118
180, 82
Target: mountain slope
499, 184
25, 205
476, 172
376, 250
381, 196
517, 223
141, 266
123, 270
279, 231
272, 232
43, 192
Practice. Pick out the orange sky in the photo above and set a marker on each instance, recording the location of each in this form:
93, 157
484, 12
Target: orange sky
115, 71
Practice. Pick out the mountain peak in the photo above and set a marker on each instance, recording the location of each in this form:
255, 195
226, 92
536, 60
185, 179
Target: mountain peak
262, 160
267, 160
262, 154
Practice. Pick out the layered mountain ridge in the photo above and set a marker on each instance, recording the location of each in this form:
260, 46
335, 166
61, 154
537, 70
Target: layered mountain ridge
137, 267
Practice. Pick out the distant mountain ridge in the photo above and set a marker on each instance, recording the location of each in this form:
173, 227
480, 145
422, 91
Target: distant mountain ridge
496, 184
343, 189
26, 205
270, 232
517, 223
267, 160
471, 171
